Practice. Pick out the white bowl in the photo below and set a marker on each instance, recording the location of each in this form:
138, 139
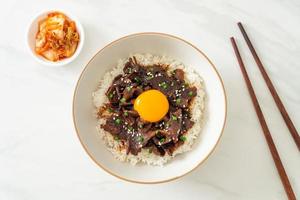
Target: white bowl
161, 44
33, 29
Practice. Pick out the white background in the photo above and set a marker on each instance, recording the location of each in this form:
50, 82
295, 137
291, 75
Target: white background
40, 155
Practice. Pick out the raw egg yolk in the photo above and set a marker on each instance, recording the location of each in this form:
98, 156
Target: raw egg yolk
152, 105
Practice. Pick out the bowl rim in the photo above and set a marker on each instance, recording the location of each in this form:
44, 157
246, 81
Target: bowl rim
65, 61
165, 180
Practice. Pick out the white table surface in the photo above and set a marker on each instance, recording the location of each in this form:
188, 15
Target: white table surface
40, 155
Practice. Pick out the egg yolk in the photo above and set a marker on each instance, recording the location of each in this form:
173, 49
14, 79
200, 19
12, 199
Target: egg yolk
152, 105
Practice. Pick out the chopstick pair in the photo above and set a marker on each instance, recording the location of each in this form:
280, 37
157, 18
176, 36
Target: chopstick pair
276, 158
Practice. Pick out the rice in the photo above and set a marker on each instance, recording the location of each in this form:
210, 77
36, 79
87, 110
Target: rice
197, 109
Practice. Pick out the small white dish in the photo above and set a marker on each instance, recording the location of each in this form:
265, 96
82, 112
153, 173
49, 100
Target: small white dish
33, 29
161, 44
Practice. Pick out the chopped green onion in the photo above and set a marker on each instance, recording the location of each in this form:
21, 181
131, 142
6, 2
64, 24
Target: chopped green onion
162, 140
141, 126
129, 70
125, 113
116, 138
157, 133
110, 110
138, 80
129, 88
174, 117
110, 95
118, 121
182, 138
178, 101
163, 85
122, 100
190, 93
140, 139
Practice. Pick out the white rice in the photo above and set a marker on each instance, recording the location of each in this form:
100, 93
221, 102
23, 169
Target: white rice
197, 109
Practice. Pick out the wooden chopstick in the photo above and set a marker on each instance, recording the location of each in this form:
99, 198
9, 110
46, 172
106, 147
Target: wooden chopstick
276, 158
280, 106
